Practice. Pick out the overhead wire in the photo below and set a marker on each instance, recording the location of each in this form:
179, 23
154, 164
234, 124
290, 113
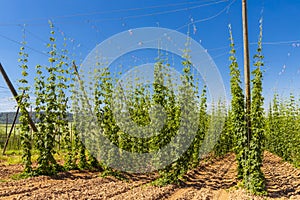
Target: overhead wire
135, 9
114, 11
21, 44
38, 38
172, 11
163, 12
208, 18
127, 17
282, 42
226, 8
216, 15
120, 18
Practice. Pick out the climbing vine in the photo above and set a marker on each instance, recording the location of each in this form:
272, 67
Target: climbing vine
237, 110
255, 180
23, 103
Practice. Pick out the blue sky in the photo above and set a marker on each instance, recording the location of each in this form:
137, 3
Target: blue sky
87, 23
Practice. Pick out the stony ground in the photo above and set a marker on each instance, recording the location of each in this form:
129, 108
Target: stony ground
214, 179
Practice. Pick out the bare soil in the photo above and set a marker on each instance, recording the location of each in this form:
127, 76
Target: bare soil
214, 179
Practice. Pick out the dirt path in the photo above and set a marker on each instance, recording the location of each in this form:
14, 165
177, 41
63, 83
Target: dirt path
214, 179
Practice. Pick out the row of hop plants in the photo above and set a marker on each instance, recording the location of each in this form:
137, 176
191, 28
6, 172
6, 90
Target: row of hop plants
283, 128
52, 85
134, 108
51, 106
276, 130
245, 142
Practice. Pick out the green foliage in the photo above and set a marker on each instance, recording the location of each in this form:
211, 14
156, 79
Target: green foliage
282, 129
187, 102
254, 177
202, 130
23, 103
51, 106
48, 111
237, 110
78, 149
103, 109
63, 68
248, 146
138, 101
225, 143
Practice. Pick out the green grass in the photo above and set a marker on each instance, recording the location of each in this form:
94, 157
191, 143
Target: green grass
19, 176
13, 157
14, 141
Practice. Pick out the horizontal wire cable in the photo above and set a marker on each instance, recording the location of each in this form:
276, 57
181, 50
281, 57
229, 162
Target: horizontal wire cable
21, 44
208, 18
111, 11
121, 18
172, 11
131, 9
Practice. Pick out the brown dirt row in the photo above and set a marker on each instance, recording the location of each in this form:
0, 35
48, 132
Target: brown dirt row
214, 179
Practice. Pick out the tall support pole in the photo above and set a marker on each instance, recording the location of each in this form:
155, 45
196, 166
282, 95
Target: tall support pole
246, 68
15, 94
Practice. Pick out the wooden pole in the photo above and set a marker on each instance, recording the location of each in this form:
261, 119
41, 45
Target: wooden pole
246, 68
15, 94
